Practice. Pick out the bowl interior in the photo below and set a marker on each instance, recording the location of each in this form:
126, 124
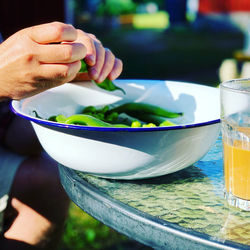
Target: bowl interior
200, 104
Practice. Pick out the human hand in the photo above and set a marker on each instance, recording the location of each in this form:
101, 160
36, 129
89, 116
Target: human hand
38, 58
101, 61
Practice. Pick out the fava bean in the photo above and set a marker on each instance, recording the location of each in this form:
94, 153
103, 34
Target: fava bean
157, 120
135, 124
149, 125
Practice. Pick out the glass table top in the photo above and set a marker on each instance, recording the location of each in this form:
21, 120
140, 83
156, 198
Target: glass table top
191, 200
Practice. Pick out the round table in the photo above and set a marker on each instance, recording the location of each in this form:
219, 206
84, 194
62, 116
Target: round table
183, 210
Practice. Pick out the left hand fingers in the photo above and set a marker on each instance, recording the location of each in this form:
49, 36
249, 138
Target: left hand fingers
107, 67
94, 71
116, 70
101, 62
89, 41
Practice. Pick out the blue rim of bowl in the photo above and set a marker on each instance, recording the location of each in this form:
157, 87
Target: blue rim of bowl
112, 129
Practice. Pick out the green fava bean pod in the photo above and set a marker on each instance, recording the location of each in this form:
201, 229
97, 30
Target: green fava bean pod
87, 120
134, 109
106, 84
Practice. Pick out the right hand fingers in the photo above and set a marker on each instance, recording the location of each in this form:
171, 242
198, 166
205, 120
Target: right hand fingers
56, 74
54, 32
61, 53
55, 43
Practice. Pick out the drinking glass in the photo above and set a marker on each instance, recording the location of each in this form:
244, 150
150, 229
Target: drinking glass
235, 120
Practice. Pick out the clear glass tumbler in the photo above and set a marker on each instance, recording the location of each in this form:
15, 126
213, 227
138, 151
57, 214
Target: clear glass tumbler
235, 120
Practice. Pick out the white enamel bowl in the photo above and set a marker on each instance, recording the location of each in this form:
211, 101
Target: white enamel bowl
126, 153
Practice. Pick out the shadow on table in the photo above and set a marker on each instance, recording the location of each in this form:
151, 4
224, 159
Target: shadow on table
190, 174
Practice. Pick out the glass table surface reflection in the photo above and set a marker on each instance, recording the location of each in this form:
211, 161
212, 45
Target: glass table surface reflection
186, 208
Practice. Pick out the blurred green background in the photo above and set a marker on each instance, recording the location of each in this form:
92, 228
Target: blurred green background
153, 45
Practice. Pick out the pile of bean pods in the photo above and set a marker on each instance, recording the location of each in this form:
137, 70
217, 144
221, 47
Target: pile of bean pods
136, 115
